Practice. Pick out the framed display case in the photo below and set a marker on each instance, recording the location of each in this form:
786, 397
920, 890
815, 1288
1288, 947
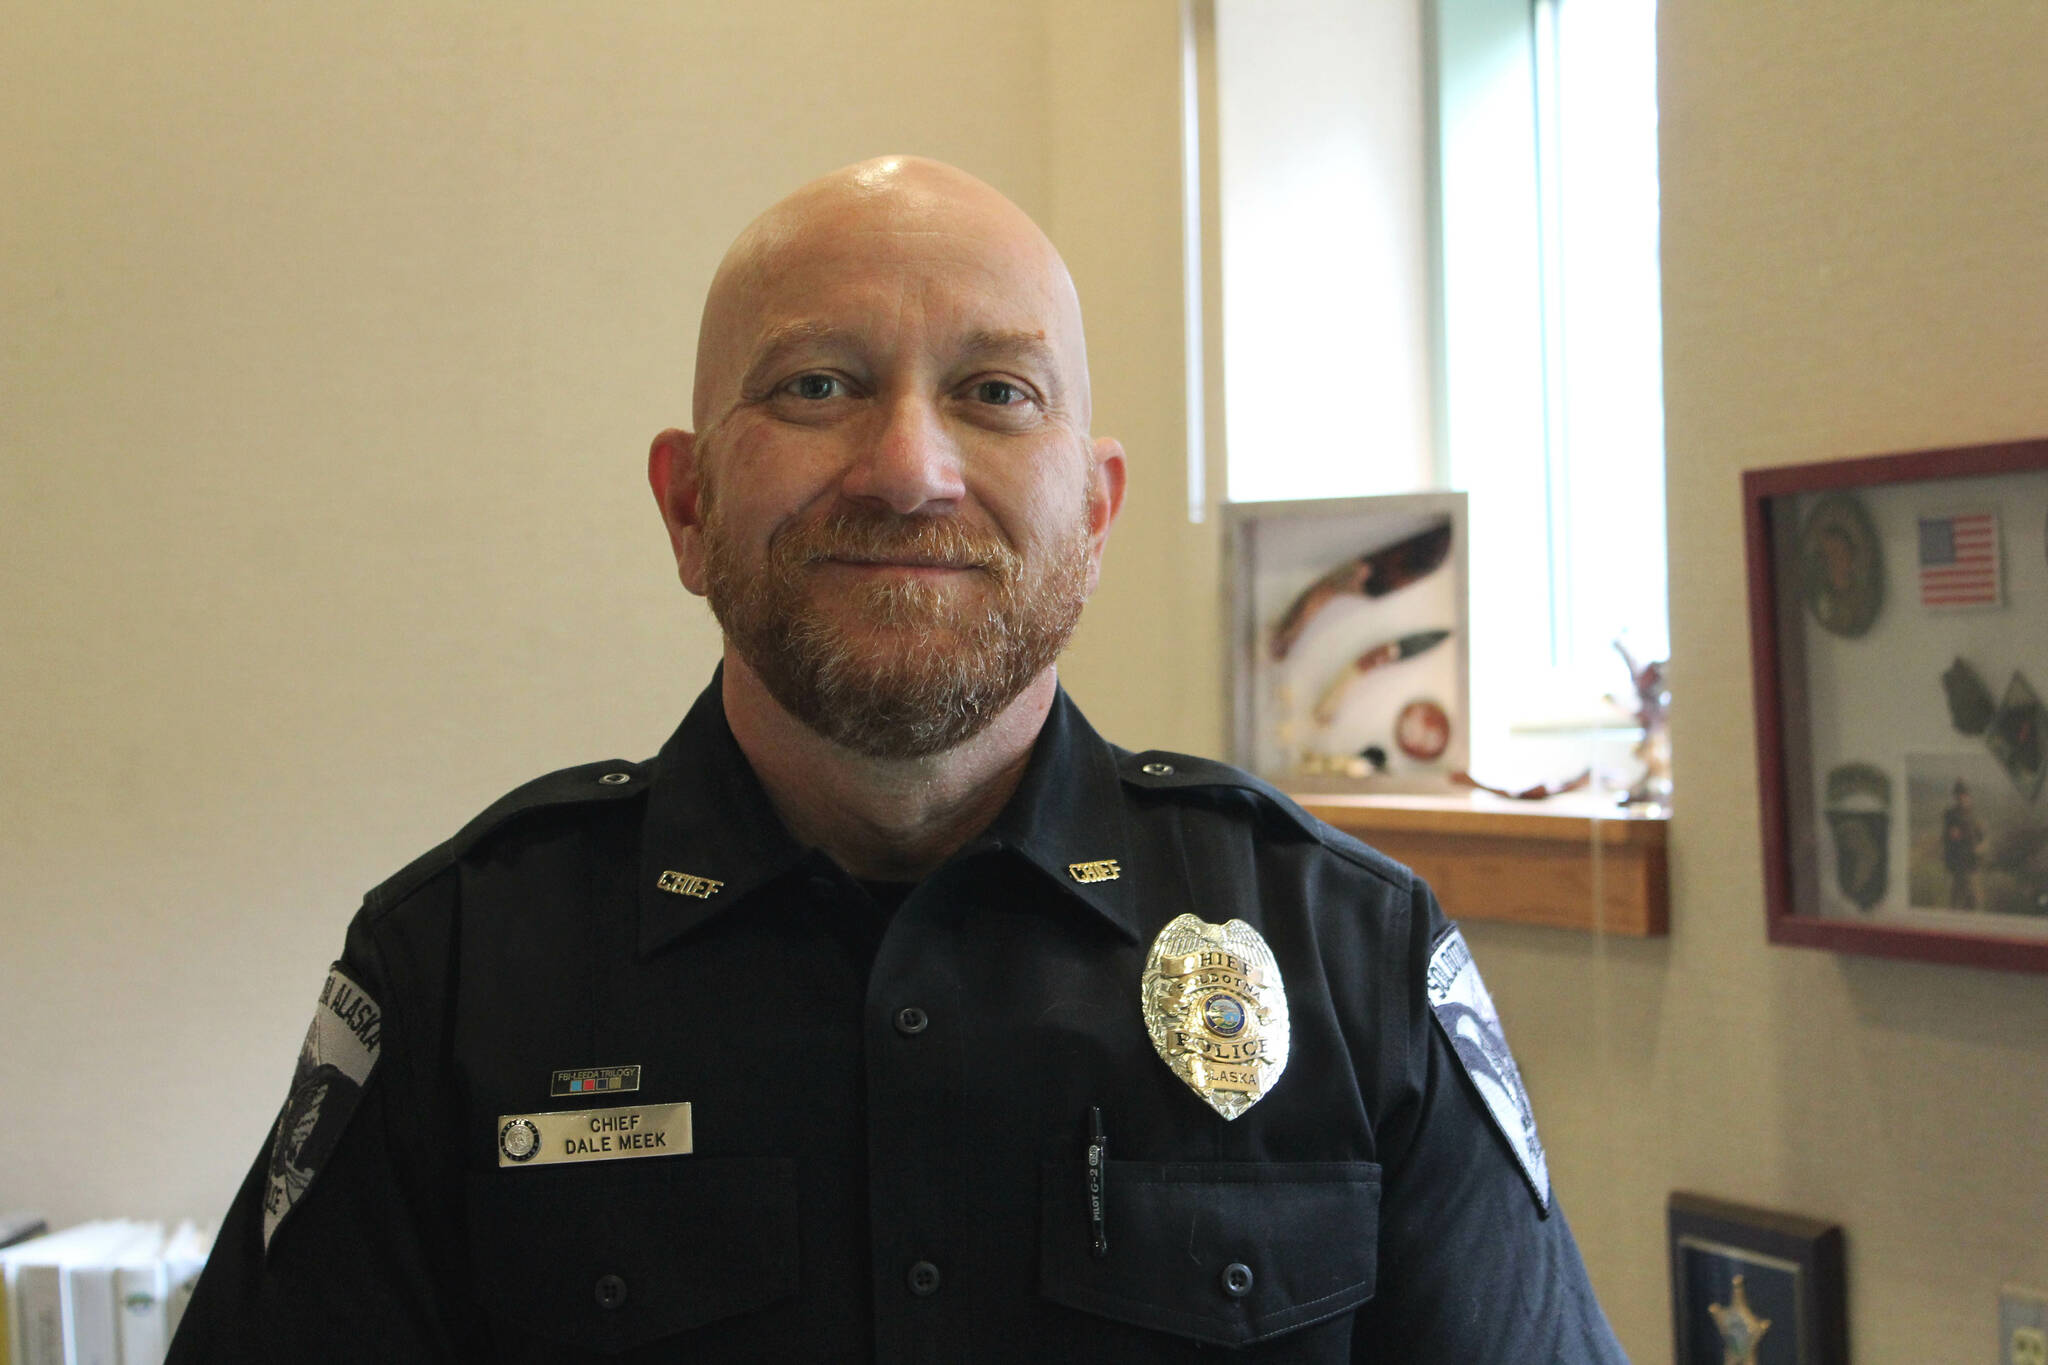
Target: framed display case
1899, 638
1754, 1286
1349, 662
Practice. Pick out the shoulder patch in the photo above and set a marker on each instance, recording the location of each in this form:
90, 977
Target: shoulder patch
610, 780
335, 1063
1465, 1012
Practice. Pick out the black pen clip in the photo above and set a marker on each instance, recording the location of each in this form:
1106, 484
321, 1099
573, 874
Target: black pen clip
1098, 1173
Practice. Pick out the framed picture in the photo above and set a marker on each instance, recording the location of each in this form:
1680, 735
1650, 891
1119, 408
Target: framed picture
1349, 661
1754, 1287
1898, 610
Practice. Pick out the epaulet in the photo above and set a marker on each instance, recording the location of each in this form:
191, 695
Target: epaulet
1160, 770
611, 780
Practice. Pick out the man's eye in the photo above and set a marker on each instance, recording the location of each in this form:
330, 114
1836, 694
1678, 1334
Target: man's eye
816, 387
1000, 392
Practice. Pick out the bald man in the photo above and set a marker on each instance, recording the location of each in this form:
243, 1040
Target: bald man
889, 1013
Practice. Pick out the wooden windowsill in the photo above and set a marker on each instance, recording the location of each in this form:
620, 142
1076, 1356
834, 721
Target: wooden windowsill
1576, 861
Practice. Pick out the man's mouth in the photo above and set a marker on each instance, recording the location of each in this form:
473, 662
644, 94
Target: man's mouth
908, 563
879, 549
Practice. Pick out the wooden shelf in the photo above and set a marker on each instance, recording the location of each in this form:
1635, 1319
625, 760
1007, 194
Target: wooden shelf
1571, 862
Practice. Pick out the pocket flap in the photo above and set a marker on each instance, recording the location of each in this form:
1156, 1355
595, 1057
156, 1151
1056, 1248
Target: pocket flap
1224, 1252
611, 1257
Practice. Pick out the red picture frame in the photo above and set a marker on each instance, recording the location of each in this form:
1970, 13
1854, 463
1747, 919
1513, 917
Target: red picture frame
1812, 648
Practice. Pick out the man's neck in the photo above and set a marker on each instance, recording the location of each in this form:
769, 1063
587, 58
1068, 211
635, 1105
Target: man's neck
879, 818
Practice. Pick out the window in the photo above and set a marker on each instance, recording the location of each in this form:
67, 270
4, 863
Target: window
1438, 252
1324, 243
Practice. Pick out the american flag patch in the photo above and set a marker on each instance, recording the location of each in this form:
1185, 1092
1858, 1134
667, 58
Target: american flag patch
1959, 561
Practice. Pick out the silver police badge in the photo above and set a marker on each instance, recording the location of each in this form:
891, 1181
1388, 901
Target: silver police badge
1216, 1010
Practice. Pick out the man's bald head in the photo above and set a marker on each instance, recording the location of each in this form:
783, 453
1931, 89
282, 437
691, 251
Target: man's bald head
878, 217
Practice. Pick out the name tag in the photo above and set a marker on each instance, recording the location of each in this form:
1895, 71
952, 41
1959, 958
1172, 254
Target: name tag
594, 1134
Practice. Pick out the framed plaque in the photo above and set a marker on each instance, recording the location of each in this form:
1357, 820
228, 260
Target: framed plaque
1349, 660
1754, 1287
1899, 641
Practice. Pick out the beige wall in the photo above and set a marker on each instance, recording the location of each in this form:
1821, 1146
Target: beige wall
329, 348
1855, 261
331, 339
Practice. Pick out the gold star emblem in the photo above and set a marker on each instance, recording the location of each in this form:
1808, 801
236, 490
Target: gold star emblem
1740, 1328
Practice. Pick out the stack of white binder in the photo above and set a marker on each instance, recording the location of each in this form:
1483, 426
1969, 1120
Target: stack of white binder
101, 1293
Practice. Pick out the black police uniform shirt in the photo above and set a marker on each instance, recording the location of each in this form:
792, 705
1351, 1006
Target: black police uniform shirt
891, 1112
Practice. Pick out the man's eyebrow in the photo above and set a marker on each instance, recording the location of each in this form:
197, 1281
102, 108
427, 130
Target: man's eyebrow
792, 333
778, 341
1029, 347
977, 347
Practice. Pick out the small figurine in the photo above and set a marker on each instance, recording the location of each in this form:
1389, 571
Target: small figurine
1652, 712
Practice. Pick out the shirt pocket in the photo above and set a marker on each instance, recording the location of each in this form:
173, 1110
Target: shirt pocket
606, 1258
1225, 1253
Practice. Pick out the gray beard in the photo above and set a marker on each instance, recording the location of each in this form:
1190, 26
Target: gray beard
916, 673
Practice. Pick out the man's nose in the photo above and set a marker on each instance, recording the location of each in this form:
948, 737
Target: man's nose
909, 462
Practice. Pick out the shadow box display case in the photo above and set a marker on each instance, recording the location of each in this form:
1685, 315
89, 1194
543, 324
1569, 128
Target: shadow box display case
1899, 641
1349, 660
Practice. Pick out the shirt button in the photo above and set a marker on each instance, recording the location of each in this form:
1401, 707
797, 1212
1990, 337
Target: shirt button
1158, 770
911, 1020
923, 1279
611, 1291
1237, 1279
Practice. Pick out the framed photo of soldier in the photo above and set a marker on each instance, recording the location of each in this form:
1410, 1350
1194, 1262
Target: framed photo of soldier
1349, 661
1754, 1287
1899, 638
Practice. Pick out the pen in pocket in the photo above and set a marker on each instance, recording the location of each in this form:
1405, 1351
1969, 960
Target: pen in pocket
1098, 1180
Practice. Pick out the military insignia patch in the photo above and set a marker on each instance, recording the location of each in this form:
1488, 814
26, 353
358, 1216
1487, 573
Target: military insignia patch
1466, 1014
1216, 1010
1859, 816
335, 1063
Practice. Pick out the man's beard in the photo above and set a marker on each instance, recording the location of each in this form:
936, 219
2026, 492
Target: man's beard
894, 668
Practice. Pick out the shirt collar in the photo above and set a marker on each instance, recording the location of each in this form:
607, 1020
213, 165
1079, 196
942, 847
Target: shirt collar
1067, 817
712, 836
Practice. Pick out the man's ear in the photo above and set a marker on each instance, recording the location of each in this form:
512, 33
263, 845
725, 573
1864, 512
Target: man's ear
1105, 500
672, 474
